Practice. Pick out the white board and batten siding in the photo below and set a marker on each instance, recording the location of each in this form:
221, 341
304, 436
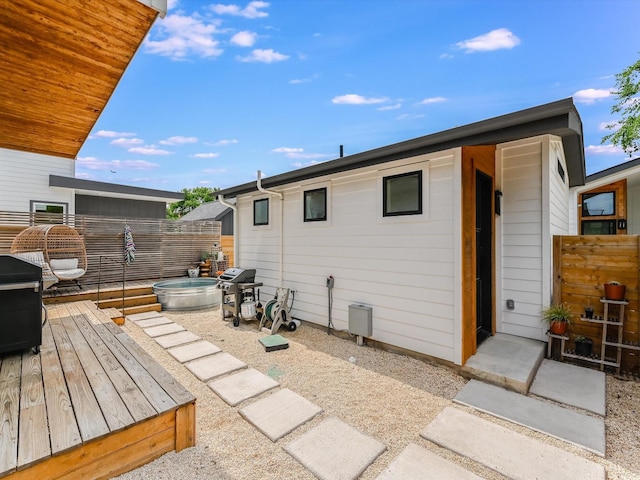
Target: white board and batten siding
535, 207
25, 177
406, 268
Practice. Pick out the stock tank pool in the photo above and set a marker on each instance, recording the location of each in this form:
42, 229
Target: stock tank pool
188, 293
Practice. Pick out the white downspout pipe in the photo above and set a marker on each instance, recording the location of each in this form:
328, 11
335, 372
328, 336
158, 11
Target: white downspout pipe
236, 232
281, 247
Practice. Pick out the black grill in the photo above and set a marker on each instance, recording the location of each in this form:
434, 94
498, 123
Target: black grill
20, 304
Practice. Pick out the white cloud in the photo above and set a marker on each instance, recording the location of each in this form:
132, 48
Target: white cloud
178, 36
395, 106
252, 10
126, 142
297, 81
501, 38
591, 95
290, 152
409, 116
244, 39
603, 150
112, 134
178, 140
353, 99
429, 101
223, 143
214, 171
92, 163
605, 125
150, 150
205, 155
305, 164
264, 56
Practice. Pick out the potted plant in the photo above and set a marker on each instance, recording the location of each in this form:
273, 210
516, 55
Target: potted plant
614, 290
558, 316
583, 345
588, 312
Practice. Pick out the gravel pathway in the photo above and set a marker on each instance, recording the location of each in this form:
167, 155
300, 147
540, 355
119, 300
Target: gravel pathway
388, 396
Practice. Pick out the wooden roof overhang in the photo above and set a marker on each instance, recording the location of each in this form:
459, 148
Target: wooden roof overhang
61, 62
558, 118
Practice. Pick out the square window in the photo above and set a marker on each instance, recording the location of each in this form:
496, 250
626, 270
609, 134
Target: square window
315, 205
261, 212
402, 194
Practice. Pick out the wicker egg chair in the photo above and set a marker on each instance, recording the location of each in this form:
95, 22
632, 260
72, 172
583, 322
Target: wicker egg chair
62, 246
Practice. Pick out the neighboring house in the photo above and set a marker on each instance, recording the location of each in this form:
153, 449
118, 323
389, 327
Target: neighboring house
65, 61
213, 211
609, 202
446, 237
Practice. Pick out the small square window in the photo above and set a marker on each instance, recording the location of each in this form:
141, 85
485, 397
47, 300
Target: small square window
402, 194
261, 212
315, 205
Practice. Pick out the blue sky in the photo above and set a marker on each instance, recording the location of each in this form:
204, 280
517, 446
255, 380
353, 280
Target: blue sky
220, 90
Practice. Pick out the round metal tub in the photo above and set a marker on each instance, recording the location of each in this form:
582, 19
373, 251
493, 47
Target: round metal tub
188, 293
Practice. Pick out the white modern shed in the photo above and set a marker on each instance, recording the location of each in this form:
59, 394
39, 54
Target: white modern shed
446, 238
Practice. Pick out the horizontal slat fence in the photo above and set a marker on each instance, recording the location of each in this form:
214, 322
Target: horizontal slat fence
164, 248
582, 265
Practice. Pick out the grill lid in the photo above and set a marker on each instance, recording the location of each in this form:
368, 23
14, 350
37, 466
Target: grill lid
14, 269
238, 275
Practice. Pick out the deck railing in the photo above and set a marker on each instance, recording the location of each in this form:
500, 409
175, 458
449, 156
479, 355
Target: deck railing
164, 248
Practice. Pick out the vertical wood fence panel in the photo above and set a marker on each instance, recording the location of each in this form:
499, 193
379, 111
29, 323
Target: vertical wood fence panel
582, 265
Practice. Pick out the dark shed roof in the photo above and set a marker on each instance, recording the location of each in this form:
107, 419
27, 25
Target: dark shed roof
559, 118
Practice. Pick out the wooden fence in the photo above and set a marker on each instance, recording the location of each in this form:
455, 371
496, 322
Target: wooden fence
582, 265
164, 248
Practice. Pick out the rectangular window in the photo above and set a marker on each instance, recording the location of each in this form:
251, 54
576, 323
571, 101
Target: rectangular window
261, 212
315, 205
598, 227
598, 204
402, 194
48, 212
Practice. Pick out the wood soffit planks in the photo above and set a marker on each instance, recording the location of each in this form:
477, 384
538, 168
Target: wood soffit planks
61, 62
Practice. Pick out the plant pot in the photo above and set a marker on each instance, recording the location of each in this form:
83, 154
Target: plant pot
193, 272
588, 312
558, 328
583, 348
614, 292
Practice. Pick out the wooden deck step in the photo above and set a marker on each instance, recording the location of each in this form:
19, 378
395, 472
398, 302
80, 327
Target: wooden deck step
128, 301
152, 307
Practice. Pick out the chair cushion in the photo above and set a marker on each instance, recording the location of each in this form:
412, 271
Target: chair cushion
70, 274
63, 264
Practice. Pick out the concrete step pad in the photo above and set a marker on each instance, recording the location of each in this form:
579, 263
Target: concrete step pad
335, 450
507, 452
417, 463
241, 386
175, 339
134, 317
560, 422
163, 329
153, 322
191, 351
572, 385
212, 366
280, 413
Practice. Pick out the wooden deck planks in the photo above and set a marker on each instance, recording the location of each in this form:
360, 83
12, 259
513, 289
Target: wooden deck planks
63, 427
33, 430
10, 371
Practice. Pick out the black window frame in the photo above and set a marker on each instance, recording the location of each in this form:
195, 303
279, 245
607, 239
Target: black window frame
385, 194
255, 203
304, 205
588, 195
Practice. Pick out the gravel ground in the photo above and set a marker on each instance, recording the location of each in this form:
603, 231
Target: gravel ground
388, 396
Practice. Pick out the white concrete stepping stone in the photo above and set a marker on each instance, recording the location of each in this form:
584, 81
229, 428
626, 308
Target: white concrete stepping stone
241, 386
578, 428
335, 450
191, 351
163, 329
417, 463
510, 453
153, 322
572, 385
175, 339
208, 368
134, 317
280, 413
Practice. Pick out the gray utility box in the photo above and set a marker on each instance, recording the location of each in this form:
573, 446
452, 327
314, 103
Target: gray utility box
360, 320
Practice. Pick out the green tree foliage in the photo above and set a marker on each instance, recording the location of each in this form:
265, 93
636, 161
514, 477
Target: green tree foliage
193, 197
626, 132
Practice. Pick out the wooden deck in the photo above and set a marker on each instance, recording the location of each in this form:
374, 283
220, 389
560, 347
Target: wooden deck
92, 404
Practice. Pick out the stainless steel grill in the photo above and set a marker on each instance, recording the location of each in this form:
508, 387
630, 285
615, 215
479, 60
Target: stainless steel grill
238, 288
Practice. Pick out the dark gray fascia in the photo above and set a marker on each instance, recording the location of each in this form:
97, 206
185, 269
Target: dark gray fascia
92, 185
559, 118
634, 162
